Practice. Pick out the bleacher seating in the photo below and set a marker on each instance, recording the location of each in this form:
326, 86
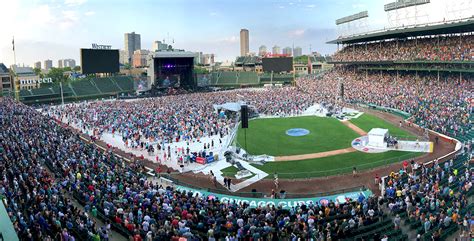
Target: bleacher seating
460, 164
106, 85
227, 78
80, 89
124, 82
25, 93
42, 91
84, 87
66, 89
248, 78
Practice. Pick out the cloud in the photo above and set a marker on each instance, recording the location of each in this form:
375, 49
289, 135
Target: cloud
311, 6
89, 13
69, 19
281, 7
229, 40
46, 14
72, 3
297, 33
213, 14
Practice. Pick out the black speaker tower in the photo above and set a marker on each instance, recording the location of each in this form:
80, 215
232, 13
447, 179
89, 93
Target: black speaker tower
244, 116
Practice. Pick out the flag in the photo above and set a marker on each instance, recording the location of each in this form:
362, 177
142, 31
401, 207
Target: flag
13, 43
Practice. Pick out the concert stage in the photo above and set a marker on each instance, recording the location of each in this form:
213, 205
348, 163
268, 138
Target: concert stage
172, 69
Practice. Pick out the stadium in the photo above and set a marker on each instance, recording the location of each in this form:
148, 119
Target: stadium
376, 147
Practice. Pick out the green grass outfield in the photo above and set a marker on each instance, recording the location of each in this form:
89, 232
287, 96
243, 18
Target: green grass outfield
334, 165
325, 166
268, 136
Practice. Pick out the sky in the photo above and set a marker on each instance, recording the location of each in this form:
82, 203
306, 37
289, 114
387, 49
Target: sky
57, 29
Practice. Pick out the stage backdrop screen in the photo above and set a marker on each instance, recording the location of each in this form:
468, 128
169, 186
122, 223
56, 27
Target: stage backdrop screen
277, 65
99, 61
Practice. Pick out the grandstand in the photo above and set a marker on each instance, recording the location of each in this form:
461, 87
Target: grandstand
248, 61
439, 53
82, 89
153, 168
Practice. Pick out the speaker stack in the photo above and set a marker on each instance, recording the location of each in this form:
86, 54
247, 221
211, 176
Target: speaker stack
244, 116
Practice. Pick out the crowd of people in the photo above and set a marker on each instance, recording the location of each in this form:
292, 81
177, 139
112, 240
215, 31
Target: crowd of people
36, 202
44, 164
439, 48
442, 105
435, 198
175, 118
48, 173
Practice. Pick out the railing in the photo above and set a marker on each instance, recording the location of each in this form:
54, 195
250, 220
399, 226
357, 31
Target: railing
222, 190
345, 170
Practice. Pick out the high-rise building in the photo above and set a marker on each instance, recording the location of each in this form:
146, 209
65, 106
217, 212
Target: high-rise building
276, 49
62, 63
262, 50
287, 51
123, 57
48, 64
69, 63
159, 46
207, 59
37, 65
198, 58
244, 42
139, 58
297, 51
132, 43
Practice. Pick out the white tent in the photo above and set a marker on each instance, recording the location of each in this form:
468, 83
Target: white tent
232, 106
377, 136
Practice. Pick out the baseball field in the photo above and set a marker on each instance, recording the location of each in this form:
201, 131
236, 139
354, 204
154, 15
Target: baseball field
326, 150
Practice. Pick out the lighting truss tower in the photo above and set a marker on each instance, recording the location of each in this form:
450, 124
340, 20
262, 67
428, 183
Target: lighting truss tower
458, 9
407, 12
353, 24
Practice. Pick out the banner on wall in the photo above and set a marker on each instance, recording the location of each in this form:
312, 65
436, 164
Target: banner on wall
284, 203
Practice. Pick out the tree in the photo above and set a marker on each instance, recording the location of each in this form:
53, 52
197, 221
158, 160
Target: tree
57, 74
77, 68
38, 72
301, 59
200, 70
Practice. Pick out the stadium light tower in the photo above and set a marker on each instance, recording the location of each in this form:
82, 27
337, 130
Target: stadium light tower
459, 9
353, 24
406, 12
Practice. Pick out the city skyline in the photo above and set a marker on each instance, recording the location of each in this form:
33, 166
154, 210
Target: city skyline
57, 29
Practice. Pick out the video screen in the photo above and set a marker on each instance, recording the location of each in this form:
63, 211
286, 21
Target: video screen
99, 61
277, 65
169, 80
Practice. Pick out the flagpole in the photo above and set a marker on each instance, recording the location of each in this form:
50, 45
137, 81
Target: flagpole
17, 95
14, 52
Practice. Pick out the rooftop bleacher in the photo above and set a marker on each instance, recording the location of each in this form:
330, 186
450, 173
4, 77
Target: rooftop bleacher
80, 89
